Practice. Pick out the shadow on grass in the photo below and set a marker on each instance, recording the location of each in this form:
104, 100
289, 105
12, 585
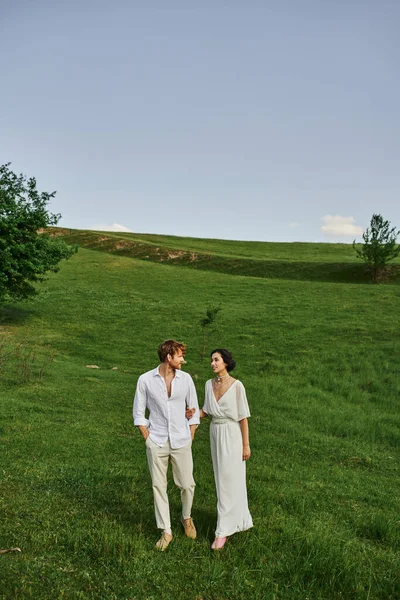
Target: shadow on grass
127, 503
204, 520
11, 315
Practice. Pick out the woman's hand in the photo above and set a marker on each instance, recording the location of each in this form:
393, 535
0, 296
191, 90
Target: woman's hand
246, 452
189, 413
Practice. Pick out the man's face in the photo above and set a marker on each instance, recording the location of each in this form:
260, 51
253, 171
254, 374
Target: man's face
176, 361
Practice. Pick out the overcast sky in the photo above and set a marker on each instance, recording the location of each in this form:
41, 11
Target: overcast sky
241, 119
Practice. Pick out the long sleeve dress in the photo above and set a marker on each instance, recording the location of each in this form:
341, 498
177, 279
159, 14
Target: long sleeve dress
226, 452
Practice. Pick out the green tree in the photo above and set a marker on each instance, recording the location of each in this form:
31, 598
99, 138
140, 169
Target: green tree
27, 252
379, 246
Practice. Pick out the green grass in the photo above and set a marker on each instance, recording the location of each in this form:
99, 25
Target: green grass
293, 251
298, 261
320, 363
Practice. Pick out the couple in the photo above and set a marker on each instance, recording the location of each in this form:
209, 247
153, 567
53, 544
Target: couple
170, 397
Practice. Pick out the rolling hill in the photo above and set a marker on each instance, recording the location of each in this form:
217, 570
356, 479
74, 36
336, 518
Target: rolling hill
319, 356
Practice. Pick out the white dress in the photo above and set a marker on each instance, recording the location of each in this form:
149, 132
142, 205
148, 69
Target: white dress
226, 452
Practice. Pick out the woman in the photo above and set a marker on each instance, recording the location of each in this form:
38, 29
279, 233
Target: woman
226, 403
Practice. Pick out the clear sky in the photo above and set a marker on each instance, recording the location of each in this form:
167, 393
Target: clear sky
240, 119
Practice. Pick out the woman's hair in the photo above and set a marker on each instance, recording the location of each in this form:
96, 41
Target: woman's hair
170, 347
226, 357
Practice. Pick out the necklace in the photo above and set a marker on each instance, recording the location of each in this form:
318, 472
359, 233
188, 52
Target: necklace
220, 378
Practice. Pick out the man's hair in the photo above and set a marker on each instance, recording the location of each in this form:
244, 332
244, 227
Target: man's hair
170, 347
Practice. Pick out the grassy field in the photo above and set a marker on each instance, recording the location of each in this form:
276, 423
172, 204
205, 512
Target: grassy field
320, 362
335, 263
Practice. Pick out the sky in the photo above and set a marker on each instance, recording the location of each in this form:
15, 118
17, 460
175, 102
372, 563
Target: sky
270, 120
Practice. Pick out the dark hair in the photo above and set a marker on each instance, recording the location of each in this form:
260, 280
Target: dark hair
226, 357
170, 347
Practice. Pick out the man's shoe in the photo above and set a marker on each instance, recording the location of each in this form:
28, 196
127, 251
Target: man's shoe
164, 541
190, 529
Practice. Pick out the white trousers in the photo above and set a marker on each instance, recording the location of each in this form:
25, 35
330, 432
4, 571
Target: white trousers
182, 471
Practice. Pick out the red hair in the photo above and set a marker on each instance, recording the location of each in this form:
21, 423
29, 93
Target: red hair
170, 347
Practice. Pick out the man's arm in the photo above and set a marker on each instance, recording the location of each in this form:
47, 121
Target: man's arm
192, 403
139, 409
144, 431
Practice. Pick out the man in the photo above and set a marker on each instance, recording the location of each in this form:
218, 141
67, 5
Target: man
167, 392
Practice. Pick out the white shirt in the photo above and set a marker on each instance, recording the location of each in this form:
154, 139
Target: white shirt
167, 418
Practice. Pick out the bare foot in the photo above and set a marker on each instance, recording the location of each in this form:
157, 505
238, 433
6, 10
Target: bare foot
218, 543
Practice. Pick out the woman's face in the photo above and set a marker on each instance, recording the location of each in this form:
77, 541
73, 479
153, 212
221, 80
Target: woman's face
217, 364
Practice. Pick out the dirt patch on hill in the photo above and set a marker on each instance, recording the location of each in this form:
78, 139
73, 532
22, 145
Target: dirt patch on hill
175, 254
54, 232
123, 245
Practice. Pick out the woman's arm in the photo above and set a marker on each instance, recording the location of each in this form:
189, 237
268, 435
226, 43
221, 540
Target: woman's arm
244, 428
190, 412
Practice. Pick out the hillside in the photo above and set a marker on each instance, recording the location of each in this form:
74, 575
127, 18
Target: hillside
320, 363
298, 261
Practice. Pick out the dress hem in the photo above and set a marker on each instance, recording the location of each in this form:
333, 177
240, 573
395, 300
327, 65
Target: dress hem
236, 530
